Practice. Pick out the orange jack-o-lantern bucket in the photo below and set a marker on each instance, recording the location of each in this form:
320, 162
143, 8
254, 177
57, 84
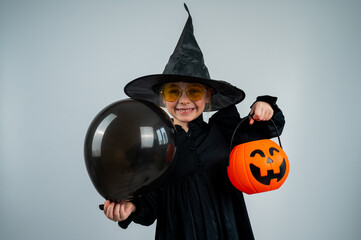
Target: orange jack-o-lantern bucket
258, 166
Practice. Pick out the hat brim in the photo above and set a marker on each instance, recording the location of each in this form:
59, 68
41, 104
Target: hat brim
147, 88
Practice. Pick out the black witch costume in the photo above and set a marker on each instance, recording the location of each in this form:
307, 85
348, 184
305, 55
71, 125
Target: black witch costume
196, 200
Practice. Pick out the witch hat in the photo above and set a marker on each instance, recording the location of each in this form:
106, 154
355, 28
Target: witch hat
186, 64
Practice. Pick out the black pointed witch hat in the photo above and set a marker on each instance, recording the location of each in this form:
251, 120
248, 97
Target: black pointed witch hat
186, 64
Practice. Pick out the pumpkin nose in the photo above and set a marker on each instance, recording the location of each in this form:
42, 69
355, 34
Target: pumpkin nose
269, 160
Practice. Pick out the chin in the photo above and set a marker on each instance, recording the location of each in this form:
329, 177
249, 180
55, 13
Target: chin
186, 119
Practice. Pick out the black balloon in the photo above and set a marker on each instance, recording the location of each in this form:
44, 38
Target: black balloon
129, 146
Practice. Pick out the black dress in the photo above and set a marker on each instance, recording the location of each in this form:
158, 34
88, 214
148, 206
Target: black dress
197, 200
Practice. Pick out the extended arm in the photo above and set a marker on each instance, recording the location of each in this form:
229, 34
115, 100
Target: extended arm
255, 128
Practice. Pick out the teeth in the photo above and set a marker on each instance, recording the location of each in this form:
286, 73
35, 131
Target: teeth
184, 110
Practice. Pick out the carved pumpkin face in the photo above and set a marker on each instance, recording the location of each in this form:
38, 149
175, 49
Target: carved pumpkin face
258, 166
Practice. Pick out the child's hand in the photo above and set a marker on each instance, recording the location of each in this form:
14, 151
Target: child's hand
260, 111
118, 211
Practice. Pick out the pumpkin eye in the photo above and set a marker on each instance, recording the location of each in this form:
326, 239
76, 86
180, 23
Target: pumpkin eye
273, 149
257, 152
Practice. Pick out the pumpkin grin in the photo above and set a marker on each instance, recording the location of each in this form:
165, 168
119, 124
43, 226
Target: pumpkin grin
266, 180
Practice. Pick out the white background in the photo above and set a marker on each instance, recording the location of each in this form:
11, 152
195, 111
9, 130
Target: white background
61, 62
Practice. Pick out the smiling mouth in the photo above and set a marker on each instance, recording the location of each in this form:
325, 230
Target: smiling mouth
266, 180
187, 110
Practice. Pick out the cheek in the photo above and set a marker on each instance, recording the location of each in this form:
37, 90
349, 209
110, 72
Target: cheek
201, 106
169, 105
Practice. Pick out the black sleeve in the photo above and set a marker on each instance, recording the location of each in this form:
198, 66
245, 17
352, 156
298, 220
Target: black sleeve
228, 118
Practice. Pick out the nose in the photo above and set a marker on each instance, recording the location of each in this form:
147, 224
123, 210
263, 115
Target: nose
269, 160
183, 97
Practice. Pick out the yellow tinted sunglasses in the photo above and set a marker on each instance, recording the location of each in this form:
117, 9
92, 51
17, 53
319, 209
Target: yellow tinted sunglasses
172, 92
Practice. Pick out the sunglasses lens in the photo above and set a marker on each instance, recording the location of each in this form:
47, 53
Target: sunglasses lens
171, 92
195, 92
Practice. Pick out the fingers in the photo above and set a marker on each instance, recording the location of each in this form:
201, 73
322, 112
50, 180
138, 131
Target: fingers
124, 211
251, 120
109, 210
260, 111
118, 211
106, 204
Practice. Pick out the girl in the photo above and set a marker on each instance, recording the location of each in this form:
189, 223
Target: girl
197, 200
